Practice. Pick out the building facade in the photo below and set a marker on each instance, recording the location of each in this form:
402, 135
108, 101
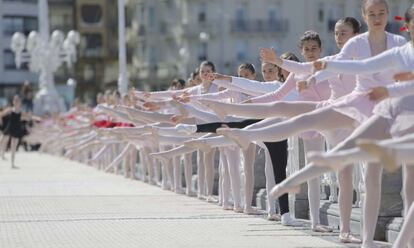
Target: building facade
171, 37
16, 16
97, 66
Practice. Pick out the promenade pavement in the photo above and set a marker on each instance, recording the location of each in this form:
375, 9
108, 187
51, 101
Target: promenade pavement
50, 202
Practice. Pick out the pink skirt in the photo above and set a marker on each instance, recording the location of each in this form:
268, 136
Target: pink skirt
355, 105
400, 113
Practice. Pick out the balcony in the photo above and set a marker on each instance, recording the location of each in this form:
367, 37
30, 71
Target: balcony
193, 30
259, 26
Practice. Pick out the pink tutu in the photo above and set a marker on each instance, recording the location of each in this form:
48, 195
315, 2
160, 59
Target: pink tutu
355, 105
400, 113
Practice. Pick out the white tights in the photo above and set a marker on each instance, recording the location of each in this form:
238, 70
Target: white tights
374, 128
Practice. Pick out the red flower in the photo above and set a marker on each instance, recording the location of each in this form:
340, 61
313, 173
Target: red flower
399, 18
403, 28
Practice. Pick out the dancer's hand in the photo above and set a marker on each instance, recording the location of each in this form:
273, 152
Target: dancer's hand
210, 77
177, 119
268, 55
152, 106
319, 65
404, 76
184, 98
377, 94
301, 85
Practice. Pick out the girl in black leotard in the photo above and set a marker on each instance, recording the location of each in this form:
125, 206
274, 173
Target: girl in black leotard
13, 128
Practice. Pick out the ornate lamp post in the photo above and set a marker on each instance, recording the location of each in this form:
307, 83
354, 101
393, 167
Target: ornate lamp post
45, 56
123, 73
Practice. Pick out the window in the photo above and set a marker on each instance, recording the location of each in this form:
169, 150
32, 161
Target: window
242, 48
202, 13
151, 17
93, 46
142, 13
9, 62
62, 22
202, 51
91, 13
152, 59
24, 24
240, 19
321, 13
272, 14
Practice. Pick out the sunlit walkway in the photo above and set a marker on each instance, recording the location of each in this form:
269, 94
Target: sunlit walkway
51, 202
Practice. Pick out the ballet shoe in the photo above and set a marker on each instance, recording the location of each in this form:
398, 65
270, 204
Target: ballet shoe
201, 197
238, 209
321, 228
227, 206
287, 220
198, 144
211, 199
251, 211
185, 128
384, 155
179, 191
221, 113
190, 193
280, 190
349, 238
273, 217
234, 135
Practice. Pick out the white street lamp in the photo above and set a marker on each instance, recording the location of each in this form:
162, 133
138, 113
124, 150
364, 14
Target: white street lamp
123, 73
204, 37
45, 56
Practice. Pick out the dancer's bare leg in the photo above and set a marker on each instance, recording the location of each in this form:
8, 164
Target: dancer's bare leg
233, 163
249, 157
201, 186
315, 144
391, 152
375, 127
133, 165
188, 173
13, 148
118, 159
291, 127
3, 145
345, 198
261, 110
206, 144
406, 233
167, 180
177, 175
224, 181
270, 183
209, 174
408, 194
179, 150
